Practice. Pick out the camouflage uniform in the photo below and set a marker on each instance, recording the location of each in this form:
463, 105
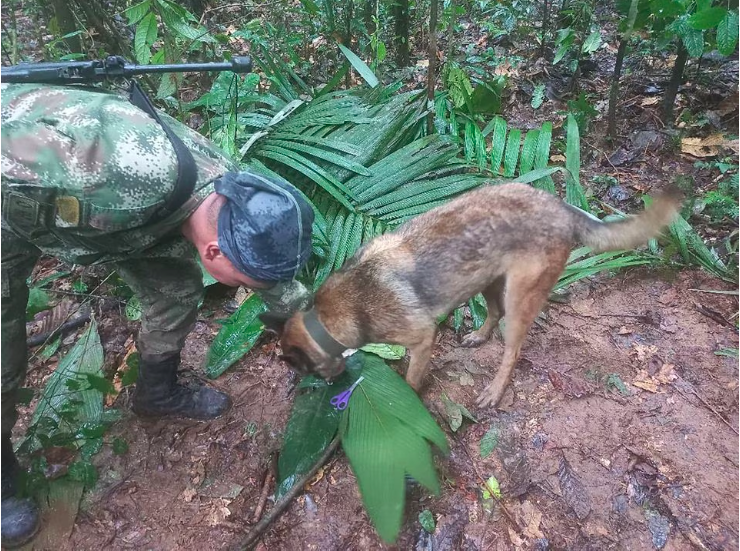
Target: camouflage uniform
82, 170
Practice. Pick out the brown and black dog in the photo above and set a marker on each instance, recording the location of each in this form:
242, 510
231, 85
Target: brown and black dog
510, 242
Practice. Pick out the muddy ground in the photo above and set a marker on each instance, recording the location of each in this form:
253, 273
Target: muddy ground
581, 463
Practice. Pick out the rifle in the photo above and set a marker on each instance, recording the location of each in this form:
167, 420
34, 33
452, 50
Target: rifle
80, 72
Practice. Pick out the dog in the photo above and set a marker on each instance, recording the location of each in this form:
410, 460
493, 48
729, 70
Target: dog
509, 241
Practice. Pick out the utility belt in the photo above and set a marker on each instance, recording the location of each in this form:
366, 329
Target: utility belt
33, 210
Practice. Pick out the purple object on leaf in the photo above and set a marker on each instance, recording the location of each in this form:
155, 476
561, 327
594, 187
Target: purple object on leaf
340, 401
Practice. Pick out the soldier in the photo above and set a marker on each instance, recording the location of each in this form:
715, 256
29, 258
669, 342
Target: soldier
90, 178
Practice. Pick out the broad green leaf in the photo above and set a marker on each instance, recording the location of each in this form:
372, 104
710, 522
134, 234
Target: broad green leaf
538, 174
542, 156
727, 33
62, 404
386, 431
592, 42
137, 11
360, 66
489, 441
478, 311
133, 309
498, 143
692, 38
310, 429
512, 152
83, 471
538, 96
529, 149
426, 519
146, 35
236, 337
573, 191
707, 18
131, 374
386, 351
38, 301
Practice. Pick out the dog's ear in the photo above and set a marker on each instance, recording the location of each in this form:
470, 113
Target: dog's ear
274, 322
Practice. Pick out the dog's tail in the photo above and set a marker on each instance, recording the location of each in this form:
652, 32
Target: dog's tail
632, 231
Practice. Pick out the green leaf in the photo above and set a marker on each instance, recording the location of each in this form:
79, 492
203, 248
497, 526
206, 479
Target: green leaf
101, 384
538, 96
426, 519
50, 349
137, 11
310, 429
79, 286
615, 381
727, 33
455, 413
489, 442
83, 471
491, 488
529, 150
708, 18
386, 433
119, 446
498, 143
58, 402
386, 351
512, 152
236, 337
91, 430
133, 309
360, 66
38, 301
146, 35
692, 39
729, 352
574, 193
208, 279
592, 42
132, 373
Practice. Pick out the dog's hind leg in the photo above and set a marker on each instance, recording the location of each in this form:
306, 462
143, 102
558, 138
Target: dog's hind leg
526, 293
421, 353
494, 295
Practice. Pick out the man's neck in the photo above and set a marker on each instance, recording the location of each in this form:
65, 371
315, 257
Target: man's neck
197, 226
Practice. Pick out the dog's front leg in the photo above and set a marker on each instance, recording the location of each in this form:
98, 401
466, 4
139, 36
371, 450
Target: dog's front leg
421, 353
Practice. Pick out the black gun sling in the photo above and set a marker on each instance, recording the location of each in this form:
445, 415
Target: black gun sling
187, 170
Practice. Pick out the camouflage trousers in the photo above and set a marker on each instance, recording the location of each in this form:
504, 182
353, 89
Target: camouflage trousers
169, 290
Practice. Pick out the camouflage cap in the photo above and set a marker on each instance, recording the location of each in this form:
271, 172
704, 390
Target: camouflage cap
264, 227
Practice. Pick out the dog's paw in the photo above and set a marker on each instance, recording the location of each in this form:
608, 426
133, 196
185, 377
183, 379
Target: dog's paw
473, 339
491, 395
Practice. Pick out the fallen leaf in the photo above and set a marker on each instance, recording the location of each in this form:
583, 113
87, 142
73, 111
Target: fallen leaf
557, 158
188, 494
574, 493
624, 331
422, 63
515, 539
466, 380
643, 352
532, 518
650, 386
649, 101
711, 146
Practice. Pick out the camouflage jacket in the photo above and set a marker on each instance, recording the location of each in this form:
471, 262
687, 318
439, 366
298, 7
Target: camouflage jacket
83, 170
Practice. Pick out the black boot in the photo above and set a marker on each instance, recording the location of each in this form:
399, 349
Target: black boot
20, 516
157, 393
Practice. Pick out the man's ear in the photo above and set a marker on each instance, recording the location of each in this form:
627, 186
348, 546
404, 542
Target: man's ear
212, 250
274, 323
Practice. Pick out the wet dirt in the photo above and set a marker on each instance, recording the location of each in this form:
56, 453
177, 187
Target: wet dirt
581, 463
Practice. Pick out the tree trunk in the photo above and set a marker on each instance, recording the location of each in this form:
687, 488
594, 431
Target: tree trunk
621, 52
66, 21
614, 92
367, 15
401, 31
676, 80
545, 25
432, 69
451, 33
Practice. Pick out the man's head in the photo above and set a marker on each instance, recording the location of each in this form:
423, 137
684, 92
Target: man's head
254, 231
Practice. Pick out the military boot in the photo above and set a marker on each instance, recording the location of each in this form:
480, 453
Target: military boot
20, 516
158, 394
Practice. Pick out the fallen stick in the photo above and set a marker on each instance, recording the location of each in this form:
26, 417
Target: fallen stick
270, 473
251, 539
35, 340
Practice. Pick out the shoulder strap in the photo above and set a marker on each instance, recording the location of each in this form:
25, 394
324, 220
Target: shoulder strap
187, 170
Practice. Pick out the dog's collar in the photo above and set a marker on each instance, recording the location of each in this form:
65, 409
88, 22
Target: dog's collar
318, 333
